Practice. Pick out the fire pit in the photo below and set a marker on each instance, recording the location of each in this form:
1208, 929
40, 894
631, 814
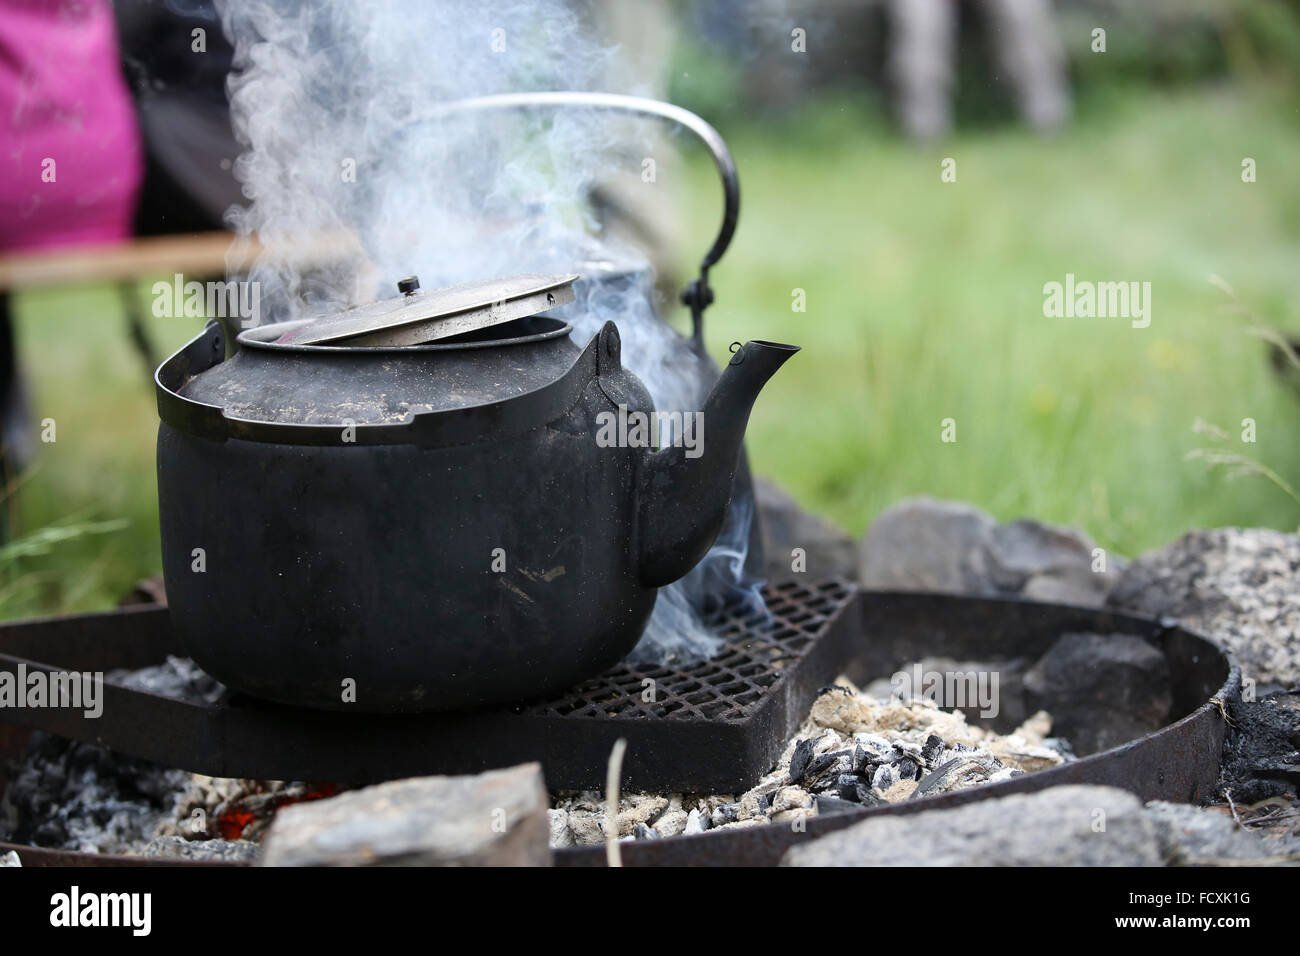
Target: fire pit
740, 708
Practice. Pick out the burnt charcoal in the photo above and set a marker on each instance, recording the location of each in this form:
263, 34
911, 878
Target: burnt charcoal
764, 804
820, 784
828, 806
1261, 754
819, 765
908, 769
856, 790
825, 772
866, 797
886, 776
727, 813
932, 780
643, 832
50, 833
932, 750
861, 759
846, 785
801, 758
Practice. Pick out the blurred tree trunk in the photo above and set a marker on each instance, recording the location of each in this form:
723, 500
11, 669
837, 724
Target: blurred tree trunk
1030, 53
921, 57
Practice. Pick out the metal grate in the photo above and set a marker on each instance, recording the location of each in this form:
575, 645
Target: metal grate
715, 727
761, 645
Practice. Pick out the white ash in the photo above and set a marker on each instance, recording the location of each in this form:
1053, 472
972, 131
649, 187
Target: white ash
177, 677
852, 750
70, 796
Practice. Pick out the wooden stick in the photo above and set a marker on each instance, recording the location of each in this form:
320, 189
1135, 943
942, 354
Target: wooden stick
199, 255
196, 256
613, 772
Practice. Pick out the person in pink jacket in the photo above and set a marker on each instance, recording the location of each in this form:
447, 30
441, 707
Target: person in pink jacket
70, 159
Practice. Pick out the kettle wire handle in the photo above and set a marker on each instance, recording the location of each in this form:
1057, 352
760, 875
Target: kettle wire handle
697, 295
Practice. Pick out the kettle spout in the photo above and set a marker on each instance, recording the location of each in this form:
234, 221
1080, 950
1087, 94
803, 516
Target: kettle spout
684, 491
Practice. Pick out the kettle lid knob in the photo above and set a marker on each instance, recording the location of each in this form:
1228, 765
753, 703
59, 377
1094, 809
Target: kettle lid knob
408, 285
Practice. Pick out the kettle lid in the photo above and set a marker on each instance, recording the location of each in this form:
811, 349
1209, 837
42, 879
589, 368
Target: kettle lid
416, 317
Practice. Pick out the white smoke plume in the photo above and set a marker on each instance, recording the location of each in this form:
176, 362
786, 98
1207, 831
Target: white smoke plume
335, 103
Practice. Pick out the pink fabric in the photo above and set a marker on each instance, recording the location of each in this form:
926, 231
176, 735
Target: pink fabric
63, 98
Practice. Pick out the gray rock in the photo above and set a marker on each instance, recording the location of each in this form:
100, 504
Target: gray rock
828, 550
1190, 835
1102, 690
1236, 585
220, 851
1060, 826
1021, 549
1048, 563
924, 544
496, 818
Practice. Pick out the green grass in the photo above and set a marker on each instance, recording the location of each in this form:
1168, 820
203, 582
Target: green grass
924, 302
98, 473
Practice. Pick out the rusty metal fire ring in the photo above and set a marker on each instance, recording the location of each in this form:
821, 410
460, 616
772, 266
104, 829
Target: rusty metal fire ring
1178, 762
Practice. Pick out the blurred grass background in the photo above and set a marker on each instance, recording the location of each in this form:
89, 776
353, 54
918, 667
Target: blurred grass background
924, 302
83, 373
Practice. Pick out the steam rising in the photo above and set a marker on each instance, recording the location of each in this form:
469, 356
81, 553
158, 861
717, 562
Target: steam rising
335, 104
